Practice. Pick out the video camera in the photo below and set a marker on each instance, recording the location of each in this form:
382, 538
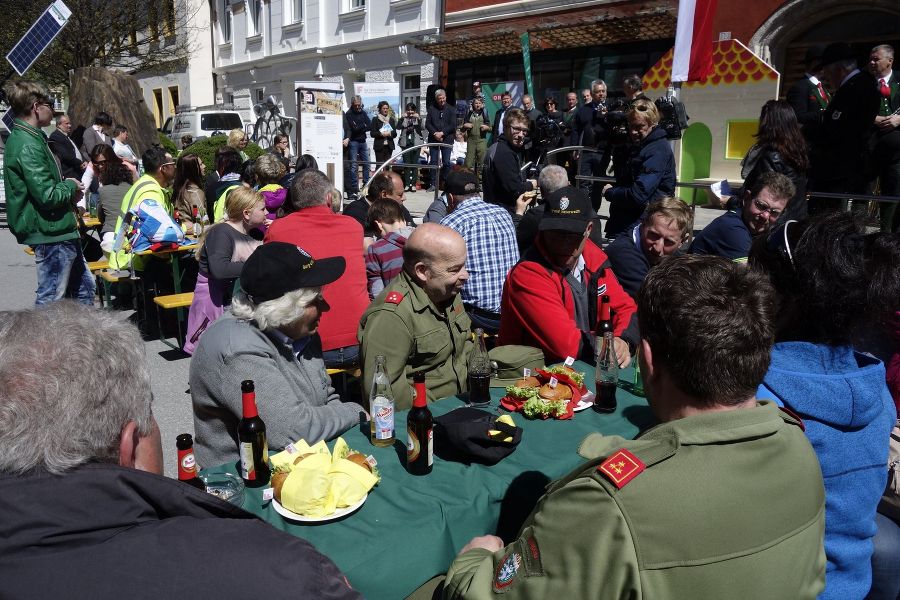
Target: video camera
616, 122
672, 116
548, 132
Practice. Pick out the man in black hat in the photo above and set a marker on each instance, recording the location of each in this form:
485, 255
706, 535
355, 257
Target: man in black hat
839, 141
808, 96
552, 297
271, 337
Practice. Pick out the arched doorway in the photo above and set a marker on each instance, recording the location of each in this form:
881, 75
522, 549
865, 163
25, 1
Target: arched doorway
798, 24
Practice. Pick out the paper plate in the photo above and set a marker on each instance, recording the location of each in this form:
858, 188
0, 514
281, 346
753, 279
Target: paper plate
586, 402
341, 512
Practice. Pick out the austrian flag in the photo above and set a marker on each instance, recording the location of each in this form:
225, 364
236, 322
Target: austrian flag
692, 60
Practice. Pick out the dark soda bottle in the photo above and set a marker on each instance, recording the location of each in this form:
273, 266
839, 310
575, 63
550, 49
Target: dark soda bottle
419, 431
479, 374
607, 374
252, 445
187, 464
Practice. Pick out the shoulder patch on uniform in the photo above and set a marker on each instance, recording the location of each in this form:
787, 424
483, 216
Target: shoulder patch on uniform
794, 416
394, 298
621, 467
505, 574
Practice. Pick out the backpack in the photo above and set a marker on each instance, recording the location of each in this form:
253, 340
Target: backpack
152, 225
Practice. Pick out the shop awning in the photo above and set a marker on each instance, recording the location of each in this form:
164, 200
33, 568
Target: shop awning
598, 26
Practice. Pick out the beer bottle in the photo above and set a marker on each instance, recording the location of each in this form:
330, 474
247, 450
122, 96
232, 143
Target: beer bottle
419, 431
381, 407
187, 465
479, 374
195, 217
252, 445
607, 372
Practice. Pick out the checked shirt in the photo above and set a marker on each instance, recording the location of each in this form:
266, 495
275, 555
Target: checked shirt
491, 250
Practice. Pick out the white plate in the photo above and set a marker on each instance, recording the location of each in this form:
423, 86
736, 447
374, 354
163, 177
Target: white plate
337, 514
586, 402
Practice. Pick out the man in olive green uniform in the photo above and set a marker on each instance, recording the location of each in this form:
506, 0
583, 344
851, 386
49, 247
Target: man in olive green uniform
478, 124
723, 499
418, 322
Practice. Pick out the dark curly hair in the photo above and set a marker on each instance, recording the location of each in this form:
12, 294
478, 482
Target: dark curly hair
780, 129
836, 282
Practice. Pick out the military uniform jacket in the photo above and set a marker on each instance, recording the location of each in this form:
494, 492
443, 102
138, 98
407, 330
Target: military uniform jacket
403, 325
717, 505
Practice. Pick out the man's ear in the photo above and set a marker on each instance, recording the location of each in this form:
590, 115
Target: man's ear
590, 227
128, 442
421, 272
648, 371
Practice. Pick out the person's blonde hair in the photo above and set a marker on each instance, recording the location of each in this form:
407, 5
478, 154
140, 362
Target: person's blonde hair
23, 94
237, 201
644, 110
235, 136
673, 209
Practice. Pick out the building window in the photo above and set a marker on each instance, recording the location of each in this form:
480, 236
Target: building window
169, 23
296, 11
157, 106
225, 21
254, 16
355, 4
174, 99
260, 95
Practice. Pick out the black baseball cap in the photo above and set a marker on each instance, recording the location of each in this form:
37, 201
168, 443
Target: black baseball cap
567, 209
461, 183
277, 268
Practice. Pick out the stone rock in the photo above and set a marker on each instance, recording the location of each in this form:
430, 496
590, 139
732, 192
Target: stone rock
96, 89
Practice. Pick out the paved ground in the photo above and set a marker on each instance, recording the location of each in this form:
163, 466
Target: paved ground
168, 369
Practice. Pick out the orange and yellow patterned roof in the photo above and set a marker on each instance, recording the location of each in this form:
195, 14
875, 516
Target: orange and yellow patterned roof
732, 63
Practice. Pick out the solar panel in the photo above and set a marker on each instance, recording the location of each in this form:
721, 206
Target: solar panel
8, 118
36, 39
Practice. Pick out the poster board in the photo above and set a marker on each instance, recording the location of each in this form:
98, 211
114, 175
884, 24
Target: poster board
321, 126
373, 92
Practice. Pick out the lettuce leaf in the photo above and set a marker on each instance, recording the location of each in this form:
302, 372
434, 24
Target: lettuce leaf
522, 393
538, 407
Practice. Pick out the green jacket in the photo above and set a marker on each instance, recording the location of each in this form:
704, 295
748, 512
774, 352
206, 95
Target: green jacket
145, 188
39, 203
403, 325
729, 505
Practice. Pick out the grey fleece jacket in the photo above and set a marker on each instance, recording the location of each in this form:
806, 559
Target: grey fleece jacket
294, 397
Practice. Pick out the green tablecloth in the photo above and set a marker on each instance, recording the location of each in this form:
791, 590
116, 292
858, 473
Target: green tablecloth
411, 528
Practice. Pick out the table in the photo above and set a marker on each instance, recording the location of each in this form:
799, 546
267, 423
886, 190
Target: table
411, 528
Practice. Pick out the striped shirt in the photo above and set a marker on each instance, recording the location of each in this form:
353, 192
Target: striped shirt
384, 261
491, 250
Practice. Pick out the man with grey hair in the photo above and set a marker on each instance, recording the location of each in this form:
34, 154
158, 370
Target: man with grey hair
440, 124
839, 141
314, 226
358, 124
70, 161
417, 322
81, 487
271, 337
591, 130
886, 135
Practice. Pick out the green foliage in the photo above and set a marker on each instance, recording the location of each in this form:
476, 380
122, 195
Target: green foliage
206, 150
168, 144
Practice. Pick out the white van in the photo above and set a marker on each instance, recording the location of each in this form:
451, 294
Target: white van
201, 122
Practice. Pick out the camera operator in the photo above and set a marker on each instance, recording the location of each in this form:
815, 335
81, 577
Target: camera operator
591, 131
504, 181
548, 132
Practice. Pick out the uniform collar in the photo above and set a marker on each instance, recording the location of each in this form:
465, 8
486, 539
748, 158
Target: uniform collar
421, 302
722, 426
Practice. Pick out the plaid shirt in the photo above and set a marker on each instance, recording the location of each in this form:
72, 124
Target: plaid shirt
491, 250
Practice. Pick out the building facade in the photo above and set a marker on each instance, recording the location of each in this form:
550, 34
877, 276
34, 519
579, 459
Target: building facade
263, 47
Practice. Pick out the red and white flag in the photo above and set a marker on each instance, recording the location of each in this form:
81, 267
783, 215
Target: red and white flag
692, 59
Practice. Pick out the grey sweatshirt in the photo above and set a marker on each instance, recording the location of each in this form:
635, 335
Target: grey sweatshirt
294, 397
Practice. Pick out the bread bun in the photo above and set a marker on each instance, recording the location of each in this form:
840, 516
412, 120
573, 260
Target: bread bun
277, 483
356, 457
528, 382
560, 392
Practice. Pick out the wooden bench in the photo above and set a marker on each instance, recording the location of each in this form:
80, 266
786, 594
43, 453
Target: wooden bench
98, 265
177, 302
345, 376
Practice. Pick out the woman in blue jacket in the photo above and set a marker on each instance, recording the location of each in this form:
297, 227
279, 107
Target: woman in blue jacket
647, 175
836, 285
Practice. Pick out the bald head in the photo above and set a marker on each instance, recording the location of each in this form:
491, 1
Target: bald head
435, 258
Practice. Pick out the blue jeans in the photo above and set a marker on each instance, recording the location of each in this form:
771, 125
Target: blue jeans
341, 358
441, 155
359, 151
885, 560
62, 272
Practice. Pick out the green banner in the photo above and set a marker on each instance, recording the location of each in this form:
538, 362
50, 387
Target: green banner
526, 59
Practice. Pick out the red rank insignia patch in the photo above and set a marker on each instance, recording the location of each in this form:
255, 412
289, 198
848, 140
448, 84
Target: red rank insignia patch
621, 467
394, 298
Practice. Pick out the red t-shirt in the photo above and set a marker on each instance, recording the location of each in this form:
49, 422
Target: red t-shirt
537, 308
323, 234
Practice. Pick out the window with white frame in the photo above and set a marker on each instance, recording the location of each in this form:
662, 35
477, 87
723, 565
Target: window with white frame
355, 4
296, 11
225, 21
254, 17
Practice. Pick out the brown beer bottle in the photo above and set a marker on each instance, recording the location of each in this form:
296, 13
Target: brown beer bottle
420, 431
187, 465
252, 445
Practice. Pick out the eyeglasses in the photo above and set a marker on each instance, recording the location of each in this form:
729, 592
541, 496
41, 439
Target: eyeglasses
167, 164
764, 208
47, 104
519, 129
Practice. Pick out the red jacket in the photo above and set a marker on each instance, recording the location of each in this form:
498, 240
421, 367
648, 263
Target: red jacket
323, 234
537, 308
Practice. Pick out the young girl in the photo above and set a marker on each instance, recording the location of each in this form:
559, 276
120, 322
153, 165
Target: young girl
223, 250
458, 154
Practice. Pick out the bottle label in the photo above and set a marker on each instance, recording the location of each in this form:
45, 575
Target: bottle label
430, 446
188, 463
412, 447
383, 415
248, 468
